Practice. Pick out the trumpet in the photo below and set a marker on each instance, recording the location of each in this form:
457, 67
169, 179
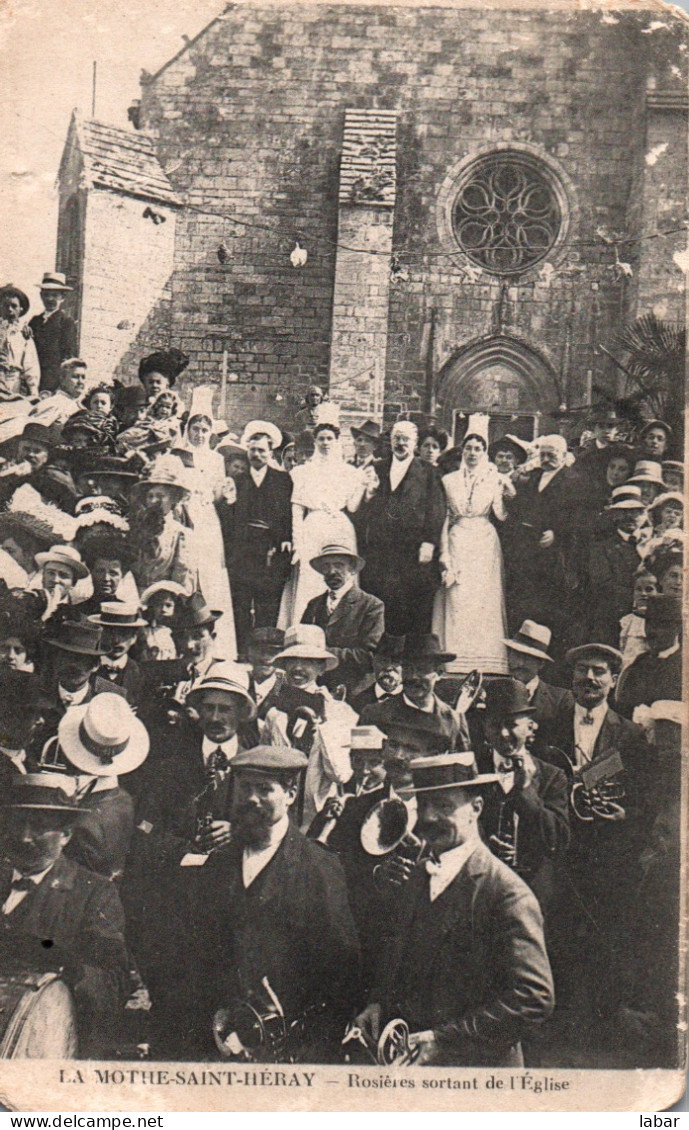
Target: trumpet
342, 798
385, 831
506, 835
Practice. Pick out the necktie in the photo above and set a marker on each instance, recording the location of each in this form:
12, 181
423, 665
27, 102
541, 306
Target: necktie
217, 763
331, 600
588, 718
23, 883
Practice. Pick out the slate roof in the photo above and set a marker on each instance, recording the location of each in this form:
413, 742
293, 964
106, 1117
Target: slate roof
124, 161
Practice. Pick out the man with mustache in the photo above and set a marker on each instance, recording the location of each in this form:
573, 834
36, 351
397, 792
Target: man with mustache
466, 967
386, 680
353, 621
273, 905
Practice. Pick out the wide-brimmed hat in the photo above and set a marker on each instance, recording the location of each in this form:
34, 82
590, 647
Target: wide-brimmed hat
655, 424
229, 677
587, 650
667, 496
531, 639
390, 647
448, 771
96, 463
261, 428
306, 641
339, 549
47, 435
626, 501
270, 759
54, 280
195, 613
118, 614
42, 520
167, 471
168, 362
425, 646
161, 586
369, 430
511, 443
42, 792
103, 738
663, 611
64, 555
505, 696
79, 637
99, 510
10, 291
647, 471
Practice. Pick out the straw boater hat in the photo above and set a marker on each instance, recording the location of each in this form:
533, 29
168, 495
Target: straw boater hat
306, 641
117, 614
104, 738
230, 677
161, 586
448, 771
270, 759
64, 555
54, 280
589, 650
647, 471
531, 639
626, 497
10, 291
42, 792
366, 739
261, 428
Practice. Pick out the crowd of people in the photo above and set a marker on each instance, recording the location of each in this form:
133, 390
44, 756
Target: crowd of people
301, 741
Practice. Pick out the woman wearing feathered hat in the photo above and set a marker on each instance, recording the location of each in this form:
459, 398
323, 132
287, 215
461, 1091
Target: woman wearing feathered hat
469, 615
207, 482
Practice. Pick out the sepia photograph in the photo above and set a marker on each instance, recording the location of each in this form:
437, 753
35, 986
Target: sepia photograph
342, 397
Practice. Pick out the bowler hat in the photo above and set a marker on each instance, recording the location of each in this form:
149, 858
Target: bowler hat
10, 291
104, 737
390, 647
79, 637
54, 280
590, 650
48, 436
448, 771
42, 792
505, 696
531, 639
663, 611
270, 759
425, 646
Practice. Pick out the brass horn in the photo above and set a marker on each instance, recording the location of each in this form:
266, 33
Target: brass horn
386, 831
469, 691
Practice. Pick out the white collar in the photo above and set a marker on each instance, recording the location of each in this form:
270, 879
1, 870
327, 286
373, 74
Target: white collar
597, 712
258, 476
114, 664
100, 785
380, 693
424, 709
267, 683
255, 859
532, 686
668, 651
73, 698
330, 594
16, 756
547, 476
229, 747
448, 868
36, 879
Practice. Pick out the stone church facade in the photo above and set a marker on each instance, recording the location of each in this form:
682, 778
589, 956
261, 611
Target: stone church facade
484, 197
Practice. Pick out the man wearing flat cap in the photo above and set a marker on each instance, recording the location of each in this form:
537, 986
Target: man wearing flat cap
353, 621
44, 895
657, 674
273, 905
257, 533
467, 967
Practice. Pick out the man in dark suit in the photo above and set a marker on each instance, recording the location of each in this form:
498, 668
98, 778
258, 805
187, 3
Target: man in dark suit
273, 905
526, 817
120, 623
422, 664
612, 564
386, 680
657, 674
54, 332
527, 655
46, 896
257, 531
399, 531
539, 540
353, 621
467, 967
73, 653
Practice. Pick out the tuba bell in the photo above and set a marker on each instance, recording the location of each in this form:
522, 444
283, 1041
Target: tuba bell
385, 831
598, 789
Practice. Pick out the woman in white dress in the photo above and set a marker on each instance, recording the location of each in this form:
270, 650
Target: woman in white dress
469, 612
325, 488
206, 481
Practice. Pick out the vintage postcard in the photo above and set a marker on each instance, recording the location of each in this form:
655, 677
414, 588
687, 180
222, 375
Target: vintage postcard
342, 386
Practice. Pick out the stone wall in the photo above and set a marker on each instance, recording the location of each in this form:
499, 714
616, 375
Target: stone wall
249, 120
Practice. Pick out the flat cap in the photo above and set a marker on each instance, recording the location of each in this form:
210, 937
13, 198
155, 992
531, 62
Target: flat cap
270, 758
